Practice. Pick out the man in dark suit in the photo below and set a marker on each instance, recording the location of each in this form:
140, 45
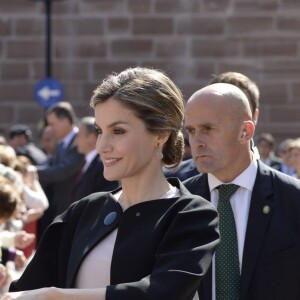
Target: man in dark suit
90, 179
265, 207
187, 168
58, 177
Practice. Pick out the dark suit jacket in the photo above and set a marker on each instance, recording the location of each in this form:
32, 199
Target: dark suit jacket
61, 176
93, 181
271, 259
35, 154
162, 250
186, 169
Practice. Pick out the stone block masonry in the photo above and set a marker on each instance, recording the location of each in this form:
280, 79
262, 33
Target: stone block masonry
189, 39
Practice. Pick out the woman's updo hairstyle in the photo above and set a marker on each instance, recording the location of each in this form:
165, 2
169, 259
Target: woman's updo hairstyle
154, 99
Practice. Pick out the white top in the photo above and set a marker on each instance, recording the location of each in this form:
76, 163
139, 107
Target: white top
94, 272
240, 203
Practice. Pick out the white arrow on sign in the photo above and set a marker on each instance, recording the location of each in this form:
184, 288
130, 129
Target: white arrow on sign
46, 93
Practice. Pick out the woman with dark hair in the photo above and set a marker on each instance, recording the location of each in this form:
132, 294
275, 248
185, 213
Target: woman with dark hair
149, 239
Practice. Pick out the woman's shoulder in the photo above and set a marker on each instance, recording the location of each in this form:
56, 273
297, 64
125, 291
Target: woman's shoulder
93, 202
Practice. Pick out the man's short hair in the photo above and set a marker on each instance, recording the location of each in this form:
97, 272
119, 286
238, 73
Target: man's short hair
63, 110
20, 129
89, 124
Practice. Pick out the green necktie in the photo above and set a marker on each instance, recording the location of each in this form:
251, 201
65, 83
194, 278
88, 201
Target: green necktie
227, 259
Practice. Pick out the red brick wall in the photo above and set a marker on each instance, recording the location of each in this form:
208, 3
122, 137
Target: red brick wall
189, 39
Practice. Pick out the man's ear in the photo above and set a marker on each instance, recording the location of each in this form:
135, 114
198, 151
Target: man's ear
255, 116
247, 131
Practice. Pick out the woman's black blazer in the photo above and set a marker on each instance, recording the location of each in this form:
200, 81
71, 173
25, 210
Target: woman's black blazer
162, 250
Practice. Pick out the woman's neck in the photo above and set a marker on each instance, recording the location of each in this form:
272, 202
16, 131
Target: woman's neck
141, 190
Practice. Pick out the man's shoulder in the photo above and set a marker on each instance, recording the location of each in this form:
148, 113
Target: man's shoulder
194, 179
279, 179
186, 169
196, 183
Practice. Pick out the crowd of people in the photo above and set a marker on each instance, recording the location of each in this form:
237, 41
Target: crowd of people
39, 181
77, 212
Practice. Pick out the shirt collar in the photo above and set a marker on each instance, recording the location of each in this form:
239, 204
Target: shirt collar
66, 141
90, 156
246, 179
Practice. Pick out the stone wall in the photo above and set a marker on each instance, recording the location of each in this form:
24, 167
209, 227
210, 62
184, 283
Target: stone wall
189, 39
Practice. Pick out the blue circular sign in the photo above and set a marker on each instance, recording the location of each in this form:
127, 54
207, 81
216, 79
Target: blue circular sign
48, 91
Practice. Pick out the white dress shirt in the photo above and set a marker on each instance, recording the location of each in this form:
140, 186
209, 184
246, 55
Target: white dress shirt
66, 141
240, 203
88, 159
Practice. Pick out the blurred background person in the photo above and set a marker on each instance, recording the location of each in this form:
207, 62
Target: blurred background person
294, 153
13, 259
59, 178
266, 145
48, 141
34, 198
285, 155
23, 177
91, 179
3, 140
20, 138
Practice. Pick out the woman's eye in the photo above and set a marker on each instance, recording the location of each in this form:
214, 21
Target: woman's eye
99, 131
118, 131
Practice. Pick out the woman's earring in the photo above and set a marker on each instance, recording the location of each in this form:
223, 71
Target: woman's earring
159, 155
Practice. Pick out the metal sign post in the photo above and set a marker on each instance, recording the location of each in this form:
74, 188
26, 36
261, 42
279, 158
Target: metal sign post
48, 90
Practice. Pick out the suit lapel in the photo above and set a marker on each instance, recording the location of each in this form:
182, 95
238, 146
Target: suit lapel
205, 287
59, 151
89, 233
203, 186
94, 164
200, 186
260, 213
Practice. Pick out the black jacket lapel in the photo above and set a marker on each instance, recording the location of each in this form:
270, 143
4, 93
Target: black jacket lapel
89, 233
260, 213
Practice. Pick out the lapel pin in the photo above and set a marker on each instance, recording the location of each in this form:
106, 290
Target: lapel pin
266, 209
110, 218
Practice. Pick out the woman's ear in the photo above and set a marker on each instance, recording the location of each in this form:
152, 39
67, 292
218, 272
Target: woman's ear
163, 136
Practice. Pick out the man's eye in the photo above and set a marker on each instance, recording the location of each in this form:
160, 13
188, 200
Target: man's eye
207, 128
190, 130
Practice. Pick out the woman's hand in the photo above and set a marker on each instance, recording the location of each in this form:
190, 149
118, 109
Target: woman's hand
40, 294
4, 276
20, 260
32, 214
53, 293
